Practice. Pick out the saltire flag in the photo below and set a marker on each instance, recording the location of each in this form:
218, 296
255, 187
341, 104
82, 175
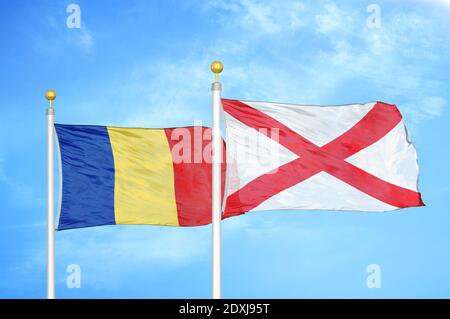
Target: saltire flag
113, 175
352, 157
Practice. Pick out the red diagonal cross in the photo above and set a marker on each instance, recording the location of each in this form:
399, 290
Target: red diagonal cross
330, 158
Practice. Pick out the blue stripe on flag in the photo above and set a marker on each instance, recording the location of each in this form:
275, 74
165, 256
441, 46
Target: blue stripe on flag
88, 176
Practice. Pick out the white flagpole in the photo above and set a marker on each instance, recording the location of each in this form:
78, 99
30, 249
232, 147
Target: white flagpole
216, 68
50, 95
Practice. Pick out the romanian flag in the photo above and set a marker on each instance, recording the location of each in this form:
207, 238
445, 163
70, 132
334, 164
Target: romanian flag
113, 175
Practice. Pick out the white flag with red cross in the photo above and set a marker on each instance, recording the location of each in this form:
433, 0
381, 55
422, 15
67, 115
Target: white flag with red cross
354, 157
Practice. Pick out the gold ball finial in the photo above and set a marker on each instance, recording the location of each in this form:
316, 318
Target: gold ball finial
216, 68
50, 95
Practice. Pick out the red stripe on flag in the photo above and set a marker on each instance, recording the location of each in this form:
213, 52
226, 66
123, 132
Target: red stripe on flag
379, 121
193, 176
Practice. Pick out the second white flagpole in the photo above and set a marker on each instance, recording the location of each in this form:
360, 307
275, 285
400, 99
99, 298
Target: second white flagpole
216, 68
50, 95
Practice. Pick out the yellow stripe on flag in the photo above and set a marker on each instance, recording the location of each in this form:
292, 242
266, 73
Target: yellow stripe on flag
144, 191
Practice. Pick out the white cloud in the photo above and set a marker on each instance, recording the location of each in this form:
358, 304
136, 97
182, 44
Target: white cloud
164, 93
84, 39
443, 3
424, 108
59, 38
278, 50
262, 17
389, 59
332, 20
169, 93
434, 106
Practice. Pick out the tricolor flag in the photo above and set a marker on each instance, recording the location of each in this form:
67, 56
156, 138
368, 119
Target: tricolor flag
349, 157
113, 175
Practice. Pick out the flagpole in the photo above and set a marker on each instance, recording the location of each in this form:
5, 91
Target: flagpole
50, 95
216, 68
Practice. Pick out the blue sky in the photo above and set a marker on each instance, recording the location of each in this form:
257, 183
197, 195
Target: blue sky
146, 63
